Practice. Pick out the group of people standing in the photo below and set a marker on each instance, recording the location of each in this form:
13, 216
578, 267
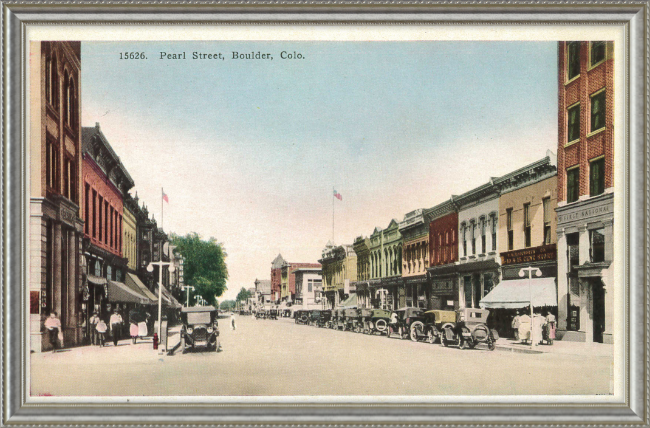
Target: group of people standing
99, 329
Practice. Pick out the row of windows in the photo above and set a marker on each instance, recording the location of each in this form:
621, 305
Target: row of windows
597, 53
70, 108
596, 247
469, 234
597, 117
527, 225
596, 180
66, 185
105, 224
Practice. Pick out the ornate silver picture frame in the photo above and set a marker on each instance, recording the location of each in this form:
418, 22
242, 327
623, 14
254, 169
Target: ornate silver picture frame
27, 24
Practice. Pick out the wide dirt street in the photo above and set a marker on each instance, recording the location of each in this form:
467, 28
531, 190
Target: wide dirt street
264, 357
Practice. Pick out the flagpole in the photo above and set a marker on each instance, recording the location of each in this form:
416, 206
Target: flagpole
162, 207
333, 215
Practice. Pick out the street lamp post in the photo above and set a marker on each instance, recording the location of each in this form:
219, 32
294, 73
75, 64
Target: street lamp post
522, 273
188, 288
160, 265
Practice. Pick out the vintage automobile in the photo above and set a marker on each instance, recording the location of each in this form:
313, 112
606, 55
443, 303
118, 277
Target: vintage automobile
469, 330
272, 314
374, 320
314, 316
351, 319
301, 316
324, 318
338, 319
405, 318
429, 326
200, 328
286, 313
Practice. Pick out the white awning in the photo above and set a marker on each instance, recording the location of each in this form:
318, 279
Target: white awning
513, 294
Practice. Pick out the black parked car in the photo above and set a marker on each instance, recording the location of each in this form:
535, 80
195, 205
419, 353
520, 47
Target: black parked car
200, 329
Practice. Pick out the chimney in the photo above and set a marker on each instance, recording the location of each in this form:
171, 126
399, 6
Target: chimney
97, 125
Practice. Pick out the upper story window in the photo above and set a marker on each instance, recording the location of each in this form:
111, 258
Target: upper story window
573, 123
596, 52
51, 81
546, 204
464, 240
598, 110
473, 238
527, 225
71, 104
494, 233
51, 164
483, 240
597, 177
572, 184
573, 59
511, 237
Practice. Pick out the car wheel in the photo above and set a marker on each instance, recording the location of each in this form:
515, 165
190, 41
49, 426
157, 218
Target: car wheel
381, 325
416, 327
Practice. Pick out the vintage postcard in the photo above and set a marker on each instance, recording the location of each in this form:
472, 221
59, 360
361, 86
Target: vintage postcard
423, 212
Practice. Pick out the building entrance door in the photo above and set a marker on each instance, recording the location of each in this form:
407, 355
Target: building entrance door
599, 310
467, 287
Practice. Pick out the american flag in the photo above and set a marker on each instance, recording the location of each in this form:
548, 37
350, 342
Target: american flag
338, 196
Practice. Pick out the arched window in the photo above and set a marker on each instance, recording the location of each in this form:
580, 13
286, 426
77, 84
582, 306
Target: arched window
71, 103
66, 107
54, 82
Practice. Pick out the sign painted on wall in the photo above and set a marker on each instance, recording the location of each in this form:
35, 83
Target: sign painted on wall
527, 255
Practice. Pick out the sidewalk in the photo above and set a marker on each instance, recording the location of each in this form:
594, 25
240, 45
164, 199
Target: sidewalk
558, 347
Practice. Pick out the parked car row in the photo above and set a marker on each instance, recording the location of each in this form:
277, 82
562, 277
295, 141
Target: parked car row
465, 328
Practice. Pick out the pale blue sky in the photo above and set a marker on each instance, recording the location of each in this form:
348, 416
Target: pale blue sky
249, 150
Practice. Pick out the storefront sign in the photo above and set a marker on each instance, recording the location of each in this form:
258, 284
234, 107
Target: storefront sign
442, 288
600, 207
390, 282
528, 255
422, 279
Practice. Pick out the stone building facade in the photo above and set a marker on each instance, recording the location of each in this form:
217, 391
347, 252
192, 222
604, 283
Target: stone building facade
55, 218
339, 271
585, 184
361, 248
386, 285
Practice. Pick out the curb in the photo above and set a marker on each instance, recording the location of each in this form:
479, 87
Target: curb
517, 349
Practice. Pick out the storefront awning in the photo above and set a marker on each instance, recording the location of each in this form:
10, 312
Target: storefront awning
168, 299
97, 280
513, 294
350, 302
120, 293
134, 282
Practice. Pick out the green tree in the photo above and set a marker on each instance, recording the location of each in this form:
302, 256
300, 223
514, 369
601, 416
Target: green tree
243, 295
204, 265
227, 305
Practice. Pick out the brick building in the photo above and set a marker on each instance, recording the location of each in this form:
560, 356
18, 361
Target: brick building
443, 255
105, 181
276, 278
55, 219
585, 183
415, 257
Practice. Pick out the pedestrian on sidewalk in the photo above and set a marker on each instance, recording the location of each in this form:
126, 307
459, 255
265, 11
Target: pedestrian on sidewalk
93, 328
134, 317
53, 326
232, 321
116, 326
101, 331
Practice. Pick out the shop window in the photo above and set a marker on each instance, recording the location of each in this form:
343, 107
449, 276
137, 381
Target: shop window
597, 177
573, 123
573, 60
597, 245
572, 184
527, 225
598, 110
546, 204
488, 284
511, 236
109, 272
573, 250
597, 52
